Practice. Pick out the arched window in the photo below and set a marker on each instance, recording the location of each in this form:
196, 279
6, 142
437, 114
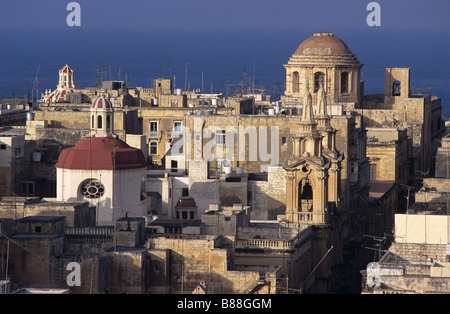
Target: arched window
108, 122
99, 122
396, 88
306, 192
319, 79
91, 188
295, 82
93, 121
344, 82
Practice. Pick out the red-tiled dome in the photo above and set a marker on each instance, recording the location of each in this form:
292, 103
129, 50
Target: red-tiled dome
101, 103
323, 44
101, 153
66, 69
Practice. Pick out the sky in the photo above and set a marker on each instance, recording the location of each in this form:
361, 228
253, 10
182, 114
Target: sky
218, 15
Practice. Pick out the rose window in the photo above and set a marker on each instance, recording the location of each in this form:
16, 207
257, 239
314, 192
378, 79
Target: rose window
93, 189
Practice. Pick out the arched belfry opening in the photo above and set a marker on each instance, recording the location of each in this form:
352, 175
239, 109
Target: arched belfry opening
305, 195
99, 122
396, 88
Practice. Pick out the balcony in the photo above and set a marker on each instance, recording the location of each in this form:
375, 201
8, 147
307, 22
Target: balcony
275, 244
154, 134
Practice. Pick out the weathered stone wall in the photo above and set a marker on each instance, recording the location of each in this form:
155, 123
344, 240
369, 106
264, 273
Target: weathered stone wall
195, 260
34, 260
127, 271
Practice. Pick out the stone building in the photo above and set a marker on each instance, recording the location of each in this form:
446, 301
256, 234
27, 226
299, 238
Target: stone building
420, 115
388, 152
12, 161
417, 262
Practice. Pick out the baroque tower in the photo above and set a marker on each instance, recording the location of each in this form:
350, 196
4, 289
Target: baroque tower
313, 172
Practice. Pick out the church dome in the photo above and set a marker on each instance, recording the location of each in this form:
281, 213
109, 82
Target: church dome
101, 153
323, 44
101, 103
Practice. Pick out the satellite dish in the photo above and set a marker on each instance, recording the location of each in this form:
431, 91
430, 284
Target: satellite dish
373, 275
226, 163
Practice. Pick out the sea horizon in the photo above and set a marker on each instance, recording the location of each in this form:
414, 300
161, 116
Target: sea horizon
214, 60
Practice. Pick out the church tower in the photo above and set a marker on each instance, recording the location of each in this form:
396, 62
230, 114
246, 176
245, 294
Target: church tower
102, 118
313, 172
66, 76
328, 61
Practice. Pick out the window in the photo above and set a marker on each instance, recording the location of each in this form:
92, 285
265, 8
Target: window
108, 122
37, 229
220, 137
319, 79
177, 126
373, 172
283, 140
344, 82
28, 188
2, 146
396, 88
185, 192
153, 148
93, 121
174, 166
153, 126
295, 82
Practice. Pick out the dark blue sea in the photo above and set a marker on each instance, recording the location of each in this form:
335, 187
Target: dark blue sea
215, 61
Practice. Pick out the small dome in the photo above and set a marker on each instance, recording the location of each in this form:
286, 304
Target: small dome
101, 103
323, 44
66, 69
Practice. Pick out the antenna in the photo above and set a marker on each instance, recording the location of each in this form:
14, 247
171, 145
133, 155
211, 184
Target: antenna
35, 87
186, 76
168, 67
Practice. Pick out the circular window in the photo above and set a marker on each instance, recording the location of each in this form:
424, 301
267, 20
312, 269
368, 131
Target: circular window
92, 189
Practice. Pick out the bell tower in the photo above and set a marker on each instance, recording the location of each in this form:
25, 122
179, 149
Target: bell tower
66, 76
313, 172
102, 118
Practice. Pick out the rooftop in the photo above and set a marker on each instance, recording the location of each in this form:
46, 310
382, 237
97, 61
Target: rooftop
323, 44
